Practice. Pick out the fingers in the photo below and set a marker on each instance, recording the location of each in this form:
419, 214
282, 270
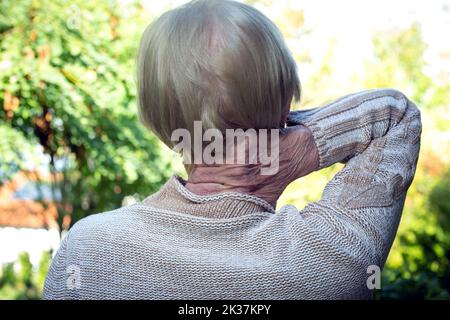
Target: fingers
299, 150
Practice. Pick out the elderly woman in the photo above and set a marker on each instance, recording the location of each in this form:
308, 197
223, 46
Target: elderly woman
217, 235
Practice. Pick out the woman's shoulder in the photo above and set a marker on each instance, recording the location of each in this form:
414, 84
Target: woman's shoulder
104, 227
93, 247
101, 219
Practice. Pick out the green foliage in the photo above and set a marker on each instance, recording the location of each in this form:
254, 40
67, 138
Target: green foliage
66, 87
423, 271
418, 266
12, 158
19, 280
399, 62
66, 84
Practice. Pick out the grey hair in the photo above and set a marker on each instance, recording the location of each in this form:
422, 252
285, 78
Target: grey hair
221, 62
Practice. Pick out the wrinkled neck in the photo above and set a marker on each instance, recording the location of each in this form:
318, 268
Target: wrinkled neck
296, 157
205, 180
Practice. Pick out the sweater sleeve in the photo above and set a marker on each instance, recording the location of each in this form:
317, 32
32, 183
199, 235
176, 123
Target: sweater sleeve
377, 134
55, 284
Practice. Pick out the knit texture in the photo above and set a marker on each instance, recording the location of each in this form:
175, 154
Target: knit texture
178, 245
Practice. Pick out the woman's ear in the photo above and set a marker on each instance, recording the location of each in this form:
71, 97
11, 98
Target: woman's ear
284, 119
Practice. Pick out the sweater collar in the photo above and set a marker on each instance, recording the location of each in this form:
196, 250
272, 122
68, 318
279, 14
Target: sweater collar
175, 196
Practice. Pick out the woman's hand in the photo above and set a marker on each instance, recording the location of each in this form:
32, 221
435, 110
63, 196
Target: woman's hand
297, 157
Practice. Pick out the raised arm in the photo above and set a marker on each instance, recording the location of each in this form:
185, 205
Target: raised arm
377, 133
345, 127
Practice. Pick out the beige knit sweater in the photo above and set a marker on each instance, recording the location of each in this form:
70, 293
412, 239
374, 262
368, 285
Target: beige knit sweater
178, 245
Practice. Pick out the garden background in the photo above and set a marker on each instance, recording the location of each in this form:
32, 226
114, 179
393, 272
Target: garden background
68, 119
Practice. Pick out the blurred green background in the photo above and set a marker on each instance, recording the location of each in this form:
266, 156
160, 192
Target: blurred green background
68, 108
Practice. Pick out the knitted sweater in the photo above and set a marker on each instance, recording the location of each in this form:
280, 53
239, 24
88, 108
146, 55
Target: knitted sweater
179, 245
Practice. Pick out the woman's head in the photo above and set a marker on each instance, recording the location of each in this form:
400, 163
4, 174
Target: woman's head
217, 61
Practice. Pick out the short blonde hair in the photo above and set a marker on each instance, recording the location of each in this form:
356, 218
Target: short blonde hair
221, 62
